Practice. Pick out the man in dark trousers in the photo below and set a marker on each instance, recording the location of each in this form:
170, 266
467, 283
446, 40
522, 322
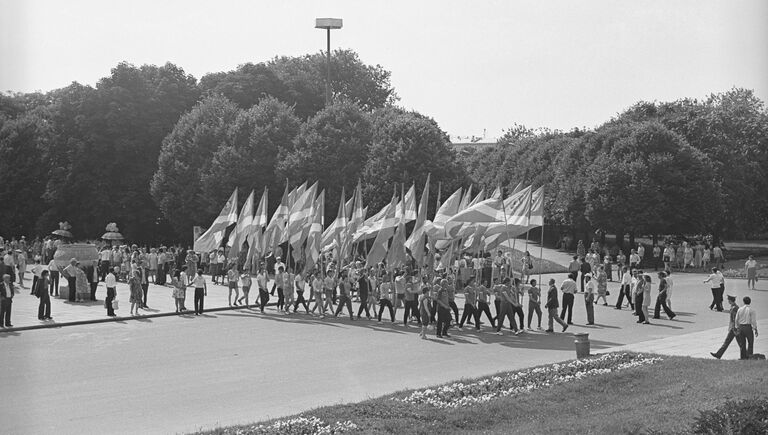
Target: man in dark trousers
568, 287
6, 301
731, 328
552, 306
363, 287
70, 273
746, 322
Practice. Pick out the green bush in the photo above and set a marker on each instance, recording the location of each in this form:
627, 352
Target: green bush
749, 416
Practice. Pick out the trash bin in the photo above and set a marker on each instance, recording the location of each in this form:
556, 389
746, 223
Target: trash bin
582, 345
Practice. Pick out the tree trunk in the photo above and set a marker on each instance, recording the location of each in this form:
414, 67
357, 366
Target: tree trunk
632, 240
655, 239
620, 238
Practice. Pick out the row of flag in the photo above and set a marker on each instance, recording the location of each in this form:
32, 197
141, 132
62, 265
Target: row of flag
464, 222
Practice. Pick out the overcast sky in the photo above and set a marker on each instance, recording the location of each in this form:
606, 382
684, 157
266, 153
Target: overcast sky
472, 65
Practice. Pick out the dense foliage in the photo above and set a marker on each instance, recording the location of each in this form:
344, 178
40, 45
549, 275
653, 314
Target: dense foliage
156, 151
684, 167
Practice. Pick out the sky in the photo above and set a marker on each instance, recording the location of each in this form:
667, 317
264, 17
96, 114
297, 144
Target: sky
476, 67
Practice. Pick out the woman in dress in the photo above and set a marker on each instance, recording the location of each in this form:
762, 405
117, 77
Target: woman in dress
581, 251
698, 255
81, 284
750, 269
602, 285
191, 261
179, 292
679, 254
608, 266
687, 255
134, 283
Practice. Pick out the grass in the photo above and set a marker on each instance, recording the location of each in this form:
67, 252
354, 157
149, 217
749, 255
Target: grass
664, 397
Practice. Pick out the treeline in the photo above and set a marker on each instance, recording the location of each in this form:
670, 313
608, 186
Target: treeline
682, 167
157, 151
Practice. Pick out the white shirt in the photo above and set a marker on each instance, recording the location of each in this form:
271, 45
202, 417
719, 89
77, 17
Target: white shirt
590, 287
626, 279
278, 265
110, 281
105, 255
37, 269
750, 264
746, 316
52, 266
716, 279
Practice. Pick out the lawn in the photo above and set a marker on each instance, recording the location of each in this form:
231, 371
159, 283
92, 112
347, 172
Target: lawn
662, 396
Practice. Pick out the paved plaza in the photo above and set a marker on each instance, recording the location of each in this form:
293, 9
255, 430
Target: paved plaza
167, 373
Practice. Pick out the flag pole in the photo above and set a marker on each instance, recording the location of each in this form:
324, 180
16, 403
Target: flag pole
506, 230
528, 222
541, 245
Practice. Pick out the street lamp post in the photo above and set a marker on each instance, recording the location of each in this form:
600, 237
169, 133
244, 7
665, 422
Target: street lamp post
328, 24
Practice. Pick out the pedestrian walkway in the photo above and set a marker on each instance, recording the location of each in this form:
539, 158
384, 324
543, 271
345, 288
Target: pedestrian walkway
160, 302
695, 344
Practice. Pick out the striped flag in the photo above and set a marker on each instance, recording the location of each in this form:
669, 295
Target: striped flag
277, 223
356, 219
315, 234
329, 235
242, 228
295, 195
528, 214
299, 217
435, 229
396, 255
492, 213
256, 238
386, 227
407, 207
415, 242
212, 237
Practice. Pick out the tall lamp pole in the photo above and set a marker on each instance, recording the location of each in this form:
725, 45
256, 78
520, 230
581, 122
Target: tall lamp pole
328, 24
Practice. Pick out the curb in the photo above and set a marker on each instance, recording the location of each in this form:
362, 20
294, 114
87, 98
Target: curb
115, 319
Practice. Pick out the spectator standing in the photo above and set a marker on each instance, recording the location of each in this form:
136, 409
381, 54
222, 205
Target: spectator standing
424, 308
601, 282
245, 279
534, 303
53, 270
750, 270
746, 319
201, 291
719, 257
134, 284
152, 258
589, 299
568, 287
41, 291
111, 283
37, 272
584, 268
6, 301
105, 260
261, 282
21, 265
232, 278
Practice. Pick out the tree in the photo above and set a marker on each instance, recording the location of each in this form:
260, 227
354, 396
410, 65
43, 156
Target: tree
186, 153
249, 156
332, 148
351, 80
405, 147
246, 85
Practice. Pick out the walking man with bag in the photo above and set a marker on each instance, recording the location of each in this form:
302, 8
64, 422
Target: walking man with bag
732, 330
746, 321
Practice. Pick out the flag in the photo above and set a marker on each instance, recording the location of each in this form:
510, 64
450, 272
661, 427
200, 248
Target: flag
492, 212
384, 231
435, 229
415, 242
277, 223
256, 238
212, 237
396, 256
329, 235
295, 195
315, 234
370, 226
407, 207
356, 219
527, 215
299, 217
465, 199
242, 228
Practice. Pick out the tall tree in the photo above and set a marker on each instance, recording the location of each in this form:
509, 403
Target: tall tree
186, 153
246, 85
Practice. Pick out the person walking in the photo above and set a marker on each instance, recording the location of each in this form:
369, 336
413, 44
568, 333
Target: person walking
534, 304
646, 297
111, 283
470, 303
232, 277
746, 321
589, 299
584, 268
201, 291
732, 328
715, 281
386, 296
134, 284
552, 306
364, 289
750, 270
279, 282
424, 311
506, 310
443, 313
261, 282
300, 284
625, 290
568, 287
245, 279
41, 291
661, 299
345, 297
412, 302
601, 282
637, 293
329, 284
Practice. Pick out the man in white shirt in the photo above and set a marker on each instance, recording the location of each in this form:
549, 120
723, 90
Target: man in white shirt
626, 289
53, 270
568, 287
746, 321
716, 283
105, 258
111, 282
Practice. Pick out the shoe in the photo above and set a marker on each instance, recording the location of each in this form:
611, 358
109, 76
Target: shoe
714, 355
646, 323
616, 308
39, 318
656, 317
8, 325
672, 317
549, 330
499, 333
639, 321
446, 336
570, 323
519, 331
51, 318
439, 336
605, 305
565, 327
590, 323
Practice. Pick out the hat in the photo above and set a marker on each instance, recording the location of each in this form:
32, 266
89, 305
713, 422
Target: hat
731, 298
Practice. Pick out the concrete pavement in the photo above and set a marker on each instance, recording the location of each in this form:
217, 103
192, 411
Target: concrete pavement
181, 373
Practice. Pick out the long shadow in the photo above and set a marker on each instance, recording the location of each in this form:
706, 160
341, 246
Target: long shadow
4, 333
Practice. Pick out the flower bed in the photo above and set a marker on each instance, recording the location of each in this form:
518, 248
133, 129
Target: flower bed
461, 394
294, 426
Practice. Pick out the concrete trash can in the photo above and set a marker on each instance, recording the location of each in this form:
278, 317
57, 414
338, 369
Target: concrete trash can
582, 344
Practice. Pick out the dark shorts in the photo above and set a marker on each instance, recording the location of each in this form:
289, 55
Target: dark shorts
233, 285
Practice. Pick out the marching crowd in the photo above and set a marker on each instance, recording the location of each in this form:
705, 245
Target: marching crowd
490, 286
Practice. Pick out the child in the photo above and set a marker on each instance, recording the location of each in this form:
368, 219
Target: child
424, 305
245, 278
